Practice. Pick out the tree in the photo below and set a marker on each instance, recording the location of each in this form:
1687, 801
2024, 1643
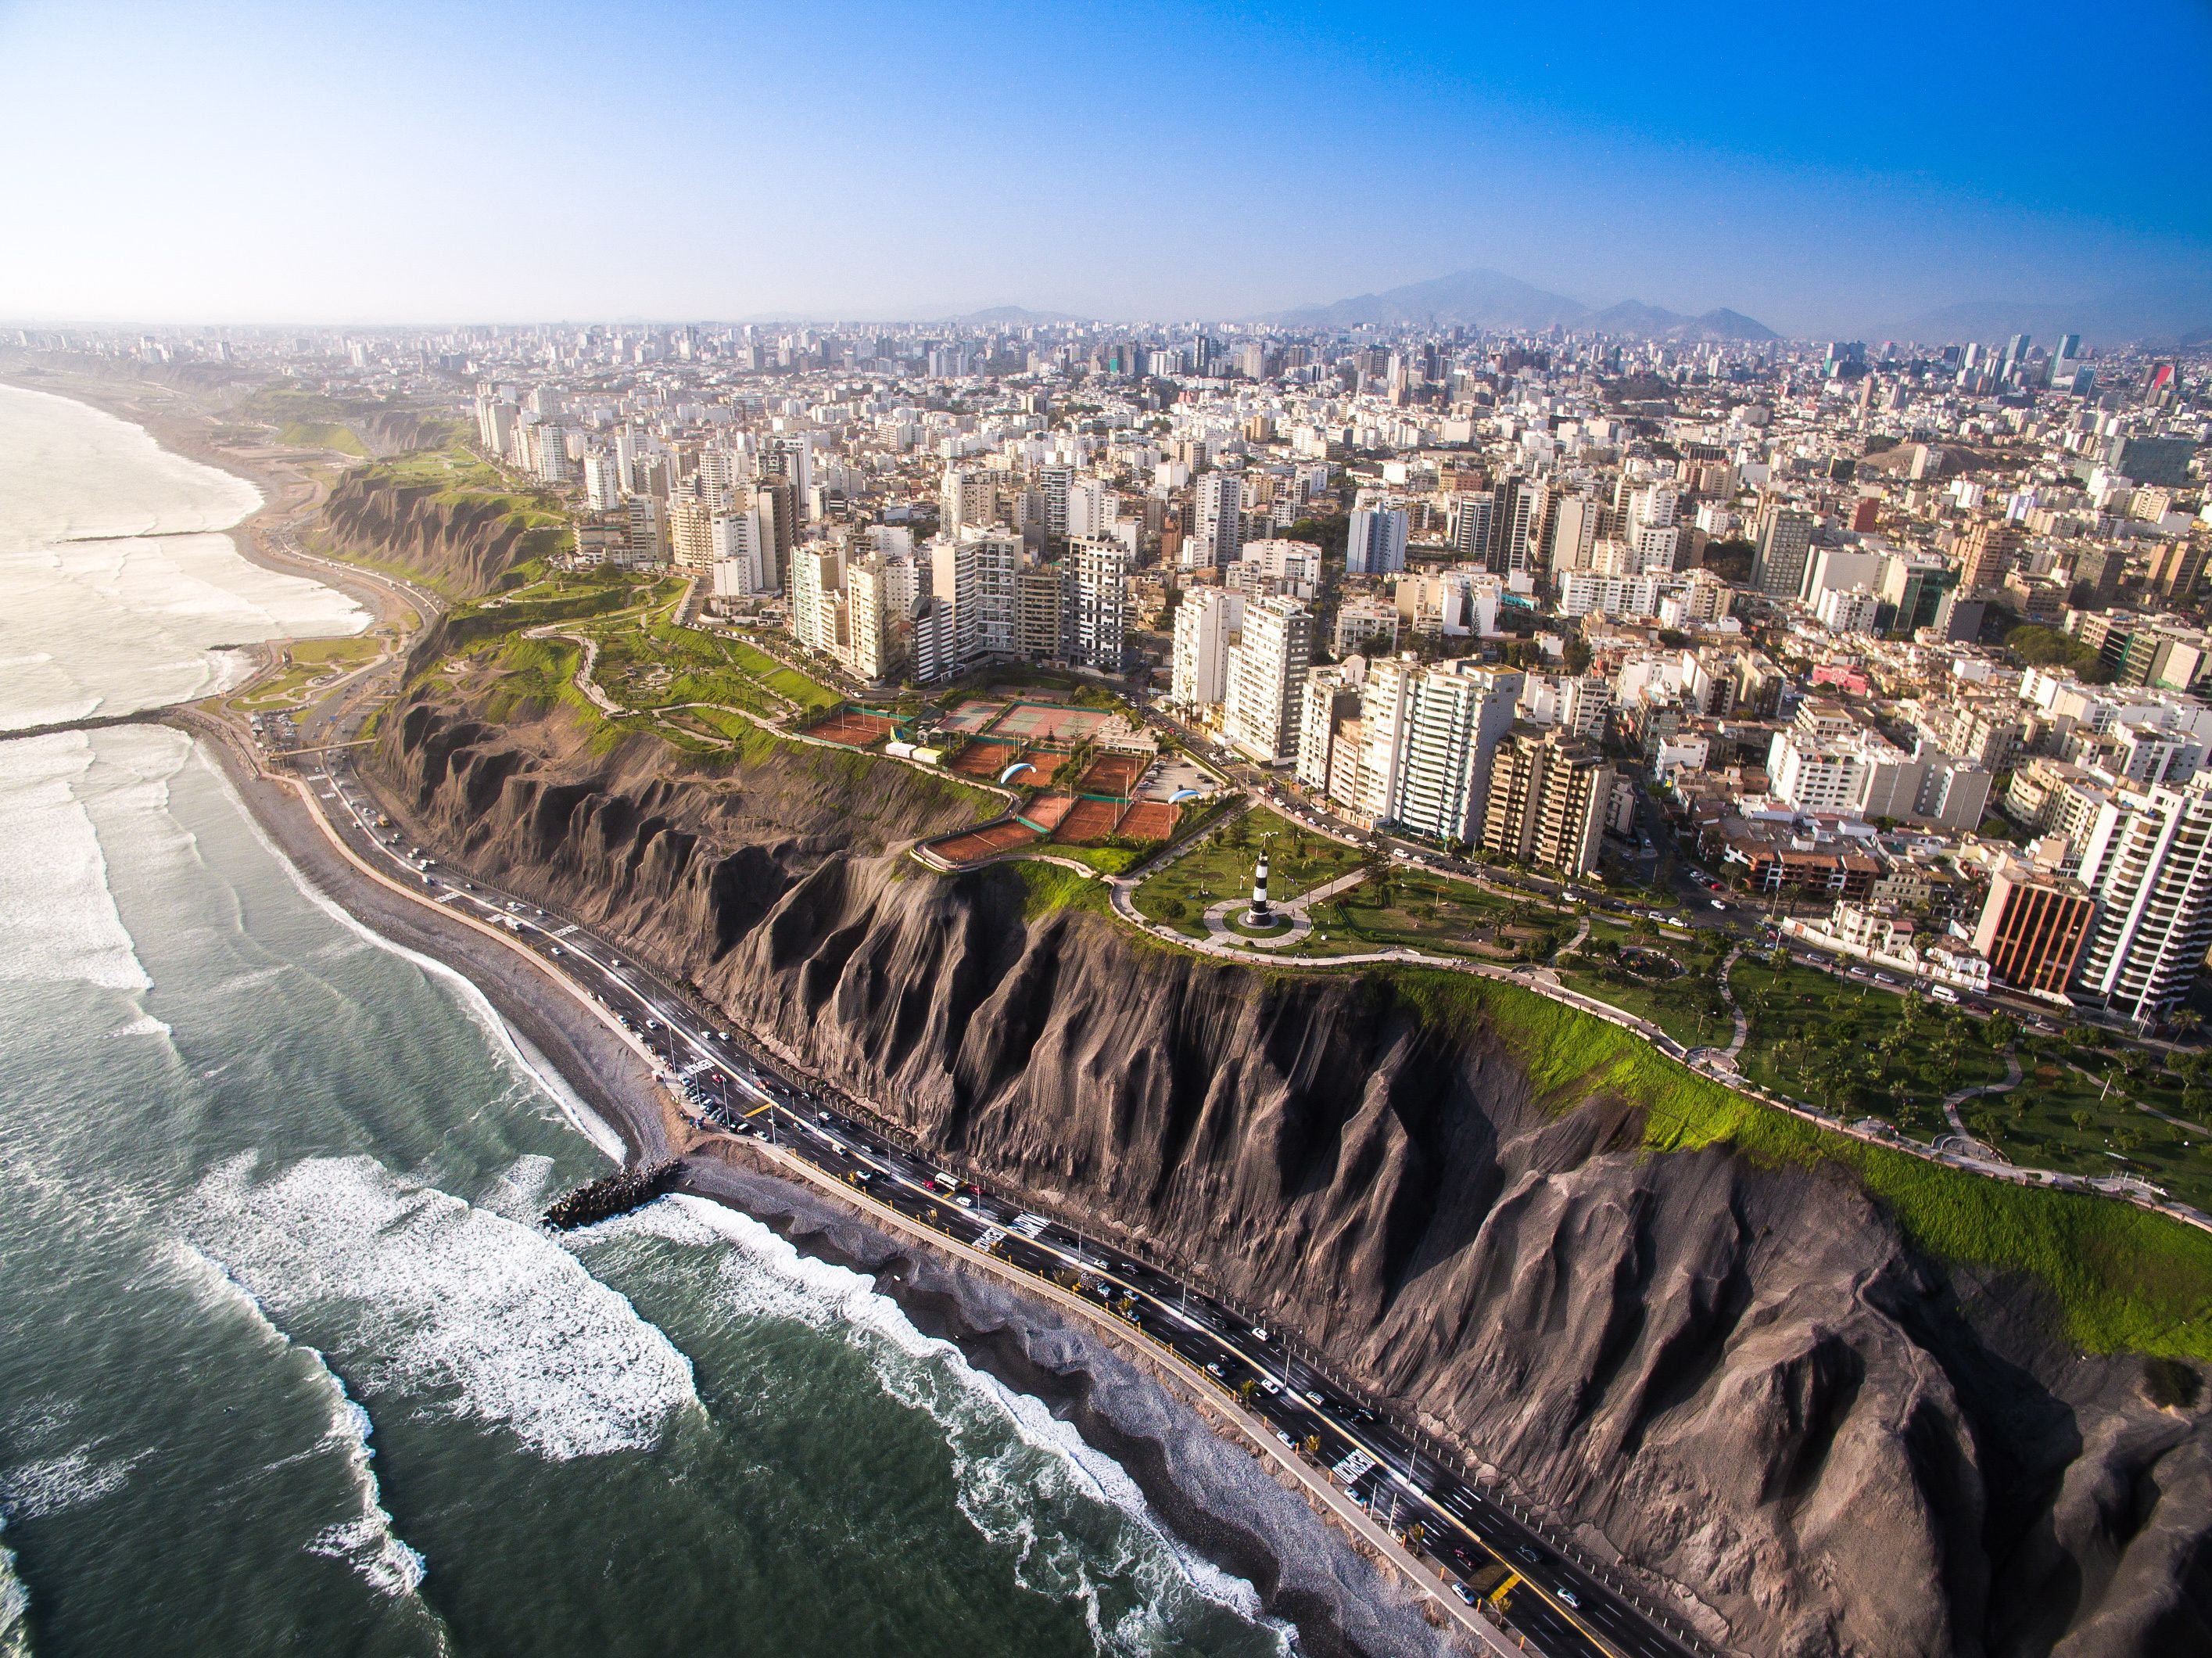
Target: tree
2001, 1031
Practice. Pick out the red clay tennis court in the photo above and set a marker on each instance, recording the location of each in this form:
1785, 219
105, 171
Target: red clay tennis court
854, 729
1044, 766
985, 759
989, 841
1047, 811
1149, 819
1112, 774
1088, 821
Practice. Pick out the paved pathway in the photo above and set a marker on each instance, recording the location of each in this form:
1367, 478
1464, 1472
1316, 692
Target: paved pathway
1216, 915
1959, 1097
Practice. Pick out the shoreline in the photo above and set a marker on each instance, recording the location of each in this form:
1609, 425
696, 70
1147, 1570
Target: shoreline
1214, 1495
1211, 1495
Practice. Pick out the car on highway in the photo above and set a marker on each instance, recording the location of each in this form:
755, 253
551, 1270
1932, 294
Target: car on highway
1463, 1592
1567, 1599
1269, 1385
1314, 1399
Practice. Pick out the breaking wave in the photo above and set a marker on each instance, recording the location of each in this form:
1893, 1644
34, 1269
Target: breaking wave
461, 1311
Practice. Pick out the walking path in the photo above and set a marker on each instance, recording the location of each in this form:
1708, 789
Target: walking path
1959, 1097
1300, 924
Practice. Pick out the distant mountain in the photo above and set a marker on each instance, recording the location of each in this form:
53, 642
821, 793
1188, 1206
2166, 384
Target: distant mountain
1009, 316
2161, 314
1491, 299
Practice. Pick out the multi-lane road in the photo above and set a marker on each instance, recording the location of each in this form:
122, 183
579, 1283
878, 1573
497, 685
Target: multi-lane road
1560, 1605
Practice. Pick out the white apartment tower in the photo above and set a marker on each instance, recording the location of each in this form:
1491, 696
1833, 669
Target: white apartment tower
1102, 602
977, 574
2148, 861
1203, 622
1375, 542
1217, 531
1267, 675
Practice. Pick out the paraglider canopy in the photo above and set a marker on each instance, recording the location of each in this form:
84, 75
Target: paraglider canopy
1007, 775
1183, 794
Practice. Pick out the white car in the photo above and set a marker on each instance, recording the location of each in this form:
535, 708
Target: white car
1268, 1383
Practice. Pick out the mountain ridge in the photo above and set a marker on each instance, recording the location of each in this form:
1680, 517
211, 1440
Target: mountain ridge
1482, 297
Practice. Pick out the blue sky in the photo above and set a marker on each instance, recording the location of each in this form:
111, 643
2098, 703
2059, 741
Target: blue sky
1821, 167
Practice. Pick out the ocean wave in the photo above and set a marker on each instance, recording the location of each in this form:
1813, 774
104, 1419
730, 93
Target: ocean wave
15, 1607
57, 909
462, 1311
144, 1025
365, 1540
1013, 1461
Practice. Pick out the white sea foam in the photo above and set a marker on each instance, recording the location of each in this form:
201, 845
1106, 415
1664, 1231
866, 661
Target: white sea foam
76, 472
1013, 1460
463, 1312
15, 1608
57, 912
364, 1539
152, 612
144, 1025
48, 1485
519, 1194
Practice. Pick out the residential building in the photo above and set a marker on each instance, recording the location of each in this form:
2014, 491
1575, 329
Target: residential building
1204, 620
1102, 602
1267, 675
1783, 547
2032, 927
1547, 800
2147, 860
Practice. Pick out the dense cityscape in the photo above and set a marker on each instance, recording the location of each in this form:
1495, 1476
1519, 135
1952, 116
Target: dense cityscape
1905, 639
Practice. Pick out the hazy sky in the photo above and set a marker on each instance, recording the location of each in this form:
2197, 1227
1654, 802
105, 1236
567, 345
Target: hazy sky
1817, 166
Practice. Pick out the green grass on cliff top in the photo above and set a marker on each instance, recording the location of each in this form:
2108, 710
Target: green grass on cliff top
2125, 1279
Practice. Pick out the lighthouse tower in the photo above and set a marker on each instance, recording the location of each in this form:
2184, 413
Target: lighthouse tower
1259, 915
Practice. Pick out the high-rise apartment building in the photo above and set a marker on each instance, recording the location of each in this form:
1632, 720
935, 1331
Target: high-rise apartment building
1267, 675
1783, 550
880, 593
1040, 618
1217, 533
1575, 520
1375, 540
1546, 800
602, 491
1471, 524
1990, 551
2148, 859
976, 573
1091, 510
1102, 602
967, 499
1203, 623
1455, 721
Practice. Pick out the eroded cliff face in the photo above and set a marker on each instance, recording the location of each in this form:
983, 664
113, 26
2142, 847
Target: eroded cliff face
1742, 1379
465, 543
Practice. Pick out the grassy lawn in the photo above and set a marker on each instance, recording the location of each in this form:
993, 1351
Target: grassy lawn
1432, 913
2059, 1119
1221, 866
810, 694
1856, 1050
1107, 860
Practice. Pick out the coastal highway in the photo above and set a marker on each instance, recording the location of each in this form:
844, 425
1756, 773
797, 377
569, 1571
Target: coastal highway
1553, 1599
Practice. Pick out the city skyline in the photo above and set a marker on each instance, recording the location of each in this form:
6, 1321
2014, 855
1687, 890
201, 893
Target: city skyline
715, 163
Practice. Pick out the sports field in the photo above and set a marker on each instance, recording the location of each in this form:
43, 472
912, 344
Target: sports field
1042, 722
985, 759
854, 729
1112, 774
989, 841
972, 716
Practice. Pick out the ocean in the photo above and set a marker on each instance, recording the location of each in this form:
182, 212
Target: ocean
285, 1365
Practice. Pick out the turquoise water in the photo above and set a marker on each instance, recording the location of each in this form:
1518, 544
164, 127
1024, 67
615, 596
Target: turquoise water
284, 1365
